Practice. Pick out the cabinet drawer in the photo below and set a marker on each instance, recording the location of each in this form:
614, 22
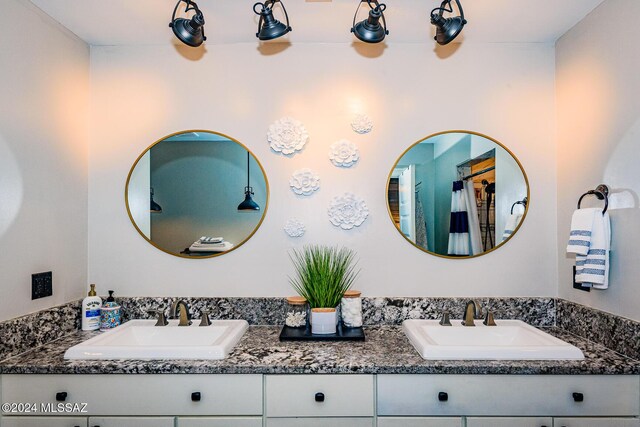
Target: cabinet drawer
596, 422
419, 422
319, 395
509, 422
145, 394
43, 422
130, 422
319, 422
220, 422
518, 395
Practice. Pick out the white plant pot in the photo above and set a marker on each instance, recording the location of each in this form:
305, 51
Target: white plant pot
323, 321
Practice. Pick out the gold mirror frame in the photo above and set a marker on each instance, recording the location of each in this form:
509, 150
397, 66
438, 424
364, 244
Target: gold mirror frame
264, 211
524, 174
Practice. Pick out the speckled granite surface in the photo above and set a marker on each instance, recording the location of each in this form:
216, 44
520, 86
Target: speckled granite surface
615, 332
393, 311
376, 311
26, 332
386, 350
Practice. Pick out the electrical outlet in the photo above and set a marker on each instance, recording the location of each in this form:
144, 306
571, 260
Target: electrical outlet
41, 285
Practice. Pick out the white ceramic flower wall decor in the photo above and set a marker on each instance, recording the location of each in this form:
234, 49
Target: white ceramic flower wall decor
344, 153
304, 182
361, 123
347, 211
287, 135
294, 228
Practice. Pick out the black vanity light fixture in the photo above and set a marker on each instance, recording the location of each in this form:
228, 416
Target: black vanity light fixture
270, 28
370, 30
153, 206
189, 31
248, 205
447, 29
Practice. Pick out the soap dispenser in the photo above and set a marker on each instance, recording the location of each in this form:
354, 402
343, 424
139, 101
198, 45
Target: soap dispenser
91, 310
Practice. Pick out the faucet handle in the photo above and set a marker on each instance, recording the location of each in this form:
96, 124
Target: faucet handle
445, 321
162, 320
205, 321
488, 319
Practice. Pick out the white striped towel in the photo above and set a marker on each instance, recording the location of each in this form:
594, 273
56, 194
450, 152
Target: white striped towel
592, 270
581, 229
512, 224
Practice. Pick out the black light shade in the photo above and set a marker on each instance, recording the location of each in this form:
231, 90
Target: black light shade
153, 206
370, 30
248, 204
189, 31
447, 29
270, 28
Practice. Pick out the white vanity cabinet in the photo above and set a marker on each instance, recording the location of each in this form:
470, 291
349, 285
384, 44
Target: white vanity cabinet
140, 395
419, 422
308, 400
596, 422
219, 422
509, 395
43, 422
509, 422
130, 422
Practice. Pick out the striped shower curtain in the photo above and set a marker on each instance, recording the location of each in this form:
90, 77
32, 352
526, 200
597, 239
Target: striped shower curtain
459, 223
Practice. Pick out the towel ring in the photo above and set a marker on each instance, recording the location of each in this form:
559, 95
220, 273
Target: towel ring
522, 202
601, 192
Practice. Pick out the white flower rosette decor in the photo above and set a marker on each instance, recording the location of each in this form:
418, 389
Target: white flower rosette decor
287, 135
361, 123
344, 153
347, 211
304, 182
294, 228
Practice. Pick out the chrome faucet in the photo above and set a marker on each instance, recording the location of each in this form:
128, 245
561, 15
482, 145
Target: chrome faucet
472, 310
185, 317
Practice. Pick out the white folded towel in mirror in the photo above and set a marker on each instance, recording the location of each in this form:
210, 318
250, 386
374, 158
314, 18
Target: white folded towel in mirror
512, 224
210, 240
591, 242
210, 247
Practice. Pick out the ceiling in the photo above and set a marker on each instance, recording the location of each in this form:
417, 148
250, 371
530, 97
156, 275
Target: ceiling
145, 22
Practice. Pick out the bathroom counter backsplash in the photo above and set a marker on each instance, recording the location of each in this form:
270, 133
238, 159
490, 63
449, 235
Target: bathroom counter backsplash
385, 351
622, 335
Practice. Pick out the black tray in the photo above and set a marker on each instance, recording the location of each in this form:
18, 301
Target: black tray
304, 334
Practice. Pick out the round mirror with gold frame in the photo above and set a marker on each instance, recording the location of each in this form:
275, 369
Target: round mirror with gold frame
457, 194
197, 194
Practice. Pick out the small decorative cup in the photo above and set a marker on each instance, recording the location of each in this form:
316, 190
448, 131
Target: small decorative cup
109, 316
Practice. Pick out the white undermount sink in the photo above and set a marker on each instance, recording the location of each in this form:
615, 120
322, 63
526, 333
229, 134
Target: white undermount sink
509, 340
140, 339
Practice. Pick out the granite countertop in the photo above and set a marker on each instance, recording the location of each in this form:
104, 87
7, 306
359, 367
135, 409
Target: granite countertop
385, 351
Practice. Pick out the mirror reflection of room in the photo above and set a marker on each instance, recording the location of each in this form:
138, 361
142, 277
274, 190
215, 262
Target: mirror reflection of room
457, 194
197, 194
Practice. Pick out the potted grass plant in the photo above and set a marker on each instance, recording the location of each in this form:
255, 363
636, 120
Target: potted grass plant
323, 275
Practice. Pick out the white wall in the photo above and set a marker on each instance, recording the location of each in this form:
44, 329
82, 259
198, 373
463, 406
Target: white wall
598, 103
44, 81
140, 94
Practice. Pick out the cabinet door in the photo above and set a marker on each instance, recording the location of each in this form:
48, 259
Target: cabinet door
43, 422
419, 422
320, 422
130, 422
220, 422
509, 422
596, 422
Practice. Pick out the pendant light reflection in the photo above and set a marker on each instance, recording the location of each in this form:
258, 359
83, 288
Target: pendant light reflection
447, 29
270, 28
370, 30
153, 206
248, 205
189, 31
